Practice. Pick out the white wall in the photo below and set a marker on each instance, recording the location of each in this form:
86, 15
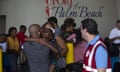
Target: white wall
33, 11
23, 12
118, 7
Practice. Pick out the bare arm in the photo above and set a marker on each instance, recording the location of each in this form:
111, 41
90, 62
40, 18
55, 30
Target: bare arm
52, 48
41, 41
62, 45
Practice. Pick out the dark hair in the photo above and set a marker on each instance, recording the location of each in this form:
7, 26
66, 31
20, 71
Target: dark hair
64, 26
118, 21
70, 21
78, 33
53, 19
90, 25
11, 29
22, 26
3, 35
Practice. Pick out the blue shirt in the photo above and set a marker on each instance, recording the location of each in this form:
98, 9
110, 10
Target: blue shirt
101, 56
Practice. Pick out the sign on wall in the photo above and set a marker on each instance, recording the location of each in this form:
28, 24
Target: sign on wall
71, 8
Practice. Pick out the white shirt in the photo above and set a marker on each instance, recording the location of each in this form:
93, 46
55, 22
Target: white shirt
4, 46
115, 32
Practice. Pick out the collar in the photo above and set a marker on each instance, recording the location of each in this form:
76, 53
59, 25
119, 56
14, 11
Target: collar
92, 42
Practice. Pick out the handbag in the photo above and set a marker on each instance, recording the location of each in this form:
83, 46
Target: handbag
22, 57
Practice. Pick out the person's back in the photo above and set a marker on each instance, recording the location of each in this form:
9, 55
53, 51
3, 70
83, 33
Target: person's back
37, 55
37, 50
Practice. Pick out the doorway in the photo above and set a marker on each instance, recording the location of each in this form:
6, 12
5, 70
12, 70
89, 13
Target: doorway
2, 24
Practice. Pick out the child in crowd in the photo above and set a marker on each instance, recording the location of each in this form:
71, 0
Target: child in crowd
3, 45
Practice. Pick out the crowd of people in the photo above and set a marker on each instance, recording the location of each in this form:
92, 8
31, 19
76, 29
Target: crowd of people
51, 48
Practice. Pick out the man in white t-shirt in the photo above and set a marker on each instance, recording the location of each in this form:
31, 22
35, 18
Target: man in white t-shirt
115, 39
115, 34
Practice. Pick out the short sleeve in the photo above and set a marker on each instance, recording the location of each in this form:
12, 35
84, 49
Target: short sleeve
101, 57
